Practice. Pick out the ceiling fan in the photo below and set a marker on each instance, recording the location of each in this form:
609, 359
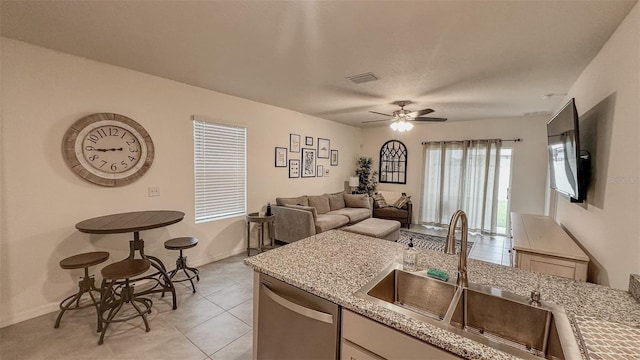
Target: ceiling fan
402, 116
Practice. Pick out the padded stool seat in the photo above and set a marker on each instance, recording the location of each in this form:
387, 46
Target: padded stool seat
183, 243
115, 292
85, 285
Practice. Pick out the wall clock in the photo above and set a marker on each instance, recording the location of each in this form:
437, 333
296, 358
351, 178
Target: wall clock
108, 149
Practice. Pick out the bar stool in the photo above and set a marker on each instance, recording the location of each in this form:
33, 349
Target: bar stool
183, 243
85, 285
116, 291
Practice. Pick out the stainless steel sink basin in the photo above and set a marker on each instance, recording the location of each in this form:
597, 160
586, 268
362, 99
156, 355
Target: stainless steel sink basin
508, 319
487, 315
416, 293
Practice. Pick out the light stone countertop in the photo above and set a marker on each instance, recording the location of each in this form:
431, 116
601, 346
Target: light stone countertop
335, 264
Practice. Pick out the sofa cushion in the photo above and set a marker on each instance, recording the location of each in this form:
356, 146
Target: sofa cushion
336, 201
320, 202
354, 214
327, 222
356, 200
300, 200
306, 208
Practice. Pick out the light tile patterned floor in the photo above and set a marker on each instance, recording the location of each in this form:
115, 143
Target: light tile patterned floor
214, 323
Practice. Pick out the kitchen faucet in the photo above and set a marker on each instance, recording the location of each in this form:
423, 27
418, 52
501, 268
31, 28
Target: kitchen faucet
450, 246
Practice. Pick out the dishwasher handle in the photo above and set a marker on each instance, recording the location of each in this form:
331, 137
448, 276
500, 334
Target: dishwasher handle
306, 312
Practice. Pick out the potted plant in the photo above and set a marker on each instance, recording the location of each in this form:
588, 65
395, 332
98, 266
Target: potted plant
368, 180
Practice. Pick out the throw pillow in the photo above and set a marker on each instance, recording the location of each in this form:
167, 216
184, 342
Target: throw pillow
306, 208
293, 201
380, 201
321, 203
336, 201
402, 201
356, 200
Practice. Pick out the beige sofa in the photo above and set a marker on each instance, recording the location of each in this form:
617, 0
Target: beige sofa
304, 216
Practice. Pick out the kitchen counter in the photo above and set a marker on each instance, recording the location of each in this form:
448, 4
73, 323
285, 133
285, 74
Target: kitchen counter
335, 264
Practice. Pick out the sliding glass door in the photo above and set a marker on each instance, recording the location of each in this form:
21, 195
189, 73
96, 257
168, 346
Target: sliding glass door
470, 175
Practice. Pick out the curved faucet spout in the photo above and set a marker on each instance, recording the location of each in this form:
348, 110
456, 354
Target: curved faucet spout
450, 245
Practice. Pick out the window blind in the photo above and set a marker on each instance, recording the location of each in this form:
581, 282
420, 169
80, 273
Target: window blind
220, 170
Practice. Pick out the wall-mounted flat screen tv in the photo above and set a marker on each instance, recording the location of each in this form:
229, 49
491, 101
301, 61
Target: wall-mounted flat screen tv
567, 169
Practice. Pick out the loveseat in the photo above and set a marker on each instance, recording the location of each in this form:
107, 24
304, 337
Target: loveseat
307, 215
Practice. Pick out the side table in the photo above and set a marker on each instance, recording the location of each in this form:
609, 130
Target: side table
260, 219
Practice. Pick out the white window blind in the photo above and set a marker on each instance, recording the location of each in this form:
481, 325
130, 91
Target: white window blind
220, 170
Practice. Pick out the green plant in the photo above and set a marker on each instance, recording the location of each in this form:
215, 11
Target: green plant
368, 180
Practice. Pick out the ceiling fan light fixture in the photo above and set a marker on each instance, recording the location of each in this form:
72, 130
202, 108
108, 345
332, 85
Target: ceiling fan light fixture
401, 126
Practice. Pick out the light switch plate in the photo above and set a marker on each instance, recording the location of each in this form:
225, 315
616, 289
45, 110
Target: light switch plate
154, 191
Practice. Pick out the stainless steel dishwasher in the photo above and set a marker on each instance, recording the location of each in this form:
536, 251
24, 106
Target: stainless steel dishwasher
294, 324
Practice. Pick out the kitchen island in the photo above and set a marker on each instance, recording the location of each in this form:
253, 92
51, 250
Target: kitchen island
333, 265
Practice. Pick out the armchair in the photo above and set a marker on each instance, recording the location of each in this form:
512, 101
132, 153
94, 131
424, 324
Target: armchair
390, 212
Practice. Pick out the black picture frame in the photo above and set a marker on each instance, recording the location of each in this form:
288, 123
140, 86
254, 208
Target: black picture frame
280, 157
308, 140
319, 171
324, 147
308, 163
294, 168
294, 143
334, 157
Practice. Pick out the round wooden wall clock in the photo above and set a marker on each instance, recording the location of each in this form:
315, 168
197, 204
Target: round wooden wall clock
108, 149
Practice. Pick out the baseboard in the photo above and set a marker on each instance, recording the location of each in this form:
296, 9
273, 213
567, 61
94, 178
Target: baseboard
30, 314
212, 258
54, 306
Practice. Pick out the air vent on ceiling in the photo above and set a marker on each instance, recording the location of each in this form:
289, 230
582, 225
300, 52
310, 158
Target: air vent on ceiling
363, 78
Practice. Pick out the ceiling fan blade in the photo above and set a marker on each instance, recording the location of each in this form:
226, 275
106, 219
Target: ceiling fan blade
372, 121
421, 112
379, 113
425, 118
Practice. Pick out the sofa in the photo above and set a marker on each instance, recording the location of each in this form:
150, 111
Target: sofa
303, 216
393, 205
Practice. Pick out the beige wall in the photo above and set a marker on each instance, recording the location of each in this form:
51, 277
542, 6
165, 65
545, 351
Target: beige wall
44, 92
529, 172
608, 225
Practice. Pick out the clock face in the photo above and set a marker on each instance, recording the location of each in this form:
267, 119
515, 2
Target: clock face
108, 149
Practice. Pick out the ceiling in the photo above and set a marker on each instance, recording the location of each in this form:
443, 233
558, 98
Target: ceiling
464, 59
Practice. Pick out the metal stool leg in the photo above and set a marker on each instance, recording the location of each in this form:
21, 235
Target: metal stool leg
85, 285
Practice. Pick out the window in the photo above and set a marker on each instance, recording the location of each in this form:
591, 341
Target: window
220, 170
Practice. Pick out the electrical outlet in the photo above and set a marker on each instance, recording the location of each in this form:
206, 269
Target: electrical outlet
154, 191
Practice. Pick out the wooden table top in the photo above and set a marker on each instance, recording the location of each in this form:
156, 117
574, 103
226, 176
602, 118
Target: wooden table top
130, 222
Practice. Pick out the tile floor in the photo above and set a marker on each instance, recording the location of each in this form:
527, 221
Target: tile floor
214, 323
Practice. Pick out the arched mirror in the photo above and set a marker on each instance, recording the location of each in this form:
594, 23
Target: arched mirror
393, 162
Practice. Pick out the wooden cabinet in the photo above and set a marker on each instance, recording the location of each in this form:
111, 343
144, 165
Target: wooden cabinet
541, 245
365, 339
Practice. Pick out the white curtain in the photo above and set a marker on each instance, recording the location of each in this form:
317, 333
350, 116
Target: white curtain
461, 175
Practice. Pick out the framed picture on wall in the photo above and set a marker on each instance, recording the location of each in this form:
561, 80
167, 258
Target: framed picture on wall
281, 157
308, 141
308, 163
324, 146
320, 170
294, 143
334, 157
294, 168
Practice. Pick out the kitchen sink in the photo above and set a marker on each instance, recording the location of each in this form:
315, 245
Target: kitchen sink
496, 318
415, 293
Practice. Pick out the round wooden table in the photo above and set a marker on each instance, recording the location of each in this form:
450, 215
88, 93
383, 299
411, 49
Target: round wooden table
135, 222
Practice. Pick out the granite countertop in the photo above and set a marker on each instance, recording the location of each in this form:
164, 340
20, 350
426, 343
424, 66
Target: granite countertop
335, 264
